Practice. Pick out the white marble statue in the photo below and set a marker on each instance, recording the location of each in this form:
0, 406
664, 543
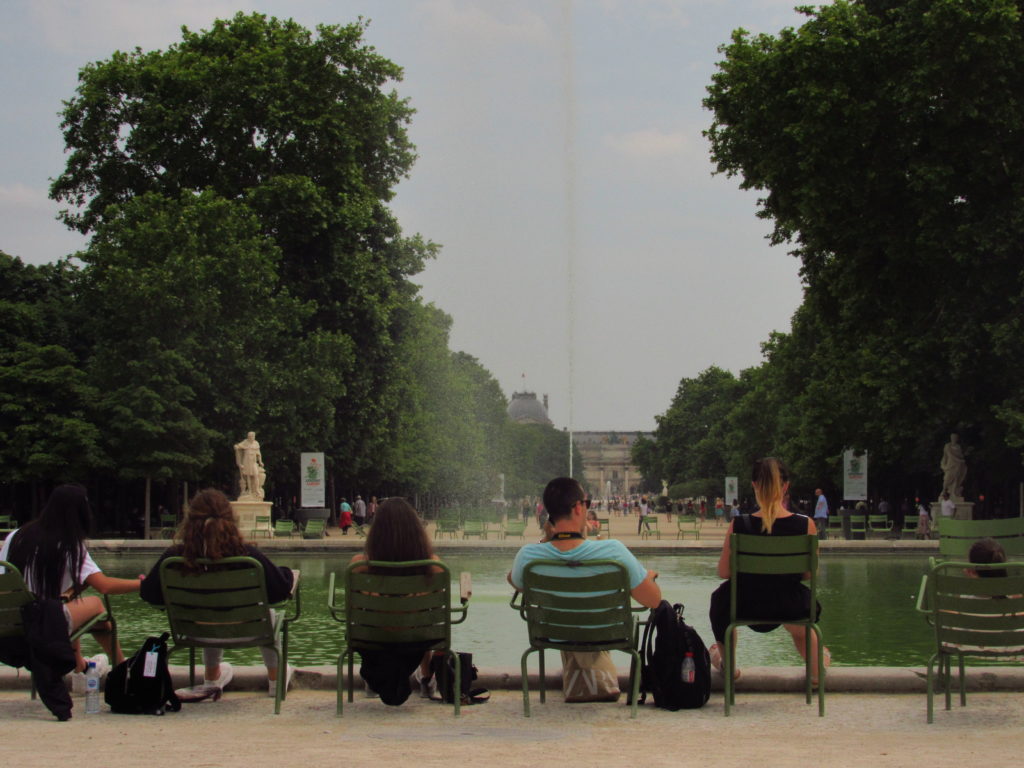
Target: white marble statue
954, 468
250, 469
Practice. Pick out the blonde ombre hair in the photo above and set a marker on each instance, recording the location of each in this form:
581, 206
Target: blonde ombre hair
769, 476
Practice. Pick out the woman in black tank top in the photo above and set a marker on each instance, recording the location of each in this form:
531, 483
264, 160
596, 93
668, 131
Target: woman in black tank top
776, 596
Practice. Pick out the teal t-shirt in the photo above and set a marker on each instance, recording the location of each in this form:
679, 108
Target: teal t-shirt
589, 549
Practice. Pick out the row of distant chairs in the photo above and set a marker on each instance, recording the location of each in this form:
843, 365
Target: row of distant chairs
867, 525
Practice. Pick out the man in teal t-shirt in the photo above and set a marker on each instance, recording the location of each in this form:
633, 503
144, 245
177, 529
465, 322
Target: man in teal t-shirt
567, 513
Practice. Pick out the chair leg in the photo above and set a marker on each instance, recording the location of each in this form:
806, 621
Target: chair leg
339, 692
930, 686
526, 684
728, 662
351, 676
192, 666
948, 671
821, 671
543, 675
281, 680
634, 682
963, 682
457, 689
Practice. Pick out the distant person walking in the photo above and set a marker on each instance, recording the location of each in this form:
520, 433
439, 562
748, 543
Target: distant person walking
359, 511
821, 514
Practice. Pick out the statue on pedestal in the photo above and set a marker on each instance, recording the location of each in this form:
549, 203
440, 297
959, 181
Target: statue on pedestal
250, 469
954, 468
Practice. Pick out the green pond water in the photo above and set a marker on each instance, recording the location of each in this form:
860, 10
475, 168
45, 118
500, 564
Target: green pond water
868, 616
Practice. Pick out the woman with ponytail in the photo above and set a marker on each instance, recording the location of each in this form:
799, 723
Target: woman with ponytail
51, 555
210, 532
770, 595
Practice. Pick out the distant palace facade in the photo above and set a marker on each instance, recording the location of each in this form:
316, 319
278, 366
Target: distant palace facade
608, 462
607, 456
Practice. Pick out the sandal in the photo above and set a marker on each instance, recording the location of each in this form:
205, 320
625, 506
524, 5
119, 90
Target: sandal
715, 652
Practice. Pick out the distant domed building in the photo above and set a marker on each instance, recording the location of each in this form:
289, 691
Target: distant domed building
525, 408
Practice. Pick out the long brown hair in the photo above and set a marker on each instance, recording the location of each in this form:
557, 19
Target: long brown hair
53, 545
209, 529
769, 476
397, 535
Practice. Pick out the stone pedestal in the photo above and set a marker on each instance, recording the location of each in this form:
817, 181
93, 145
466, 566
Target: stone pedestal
964, 510
246, 511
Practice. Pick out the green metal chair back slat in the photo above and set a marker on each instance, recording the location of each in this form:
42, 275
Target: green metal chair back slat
284, 528
570, 606
773, 555
314, 529
225, 605
957, 536
980, 617
514, 528
385, 605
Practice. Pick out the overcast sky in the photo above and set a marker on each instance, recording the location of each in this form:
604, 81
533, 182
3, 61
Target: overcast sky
561, 168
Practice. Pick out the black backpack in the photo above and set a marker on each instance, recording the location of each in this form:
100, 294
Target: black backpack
666, 640
133, 688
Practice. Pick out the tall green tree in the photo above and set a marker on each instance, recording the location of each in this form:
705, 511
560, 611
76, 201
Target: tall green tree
301, 130
886, 140
48, 409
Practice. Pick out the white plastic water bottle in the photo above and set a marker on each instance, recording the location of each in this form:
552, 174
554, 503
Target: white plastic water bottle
92, 689
688, 673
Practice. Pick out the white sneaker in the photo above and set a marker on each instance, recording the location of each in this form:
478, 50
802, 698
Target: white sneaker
77, 683
428, 686
368, 692
272, 684
226, 674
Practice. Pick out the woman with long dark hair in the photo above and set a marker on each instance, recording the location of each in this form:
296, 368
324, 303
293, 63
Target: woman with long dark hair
209, 531
397, 536
51, 554
777, 596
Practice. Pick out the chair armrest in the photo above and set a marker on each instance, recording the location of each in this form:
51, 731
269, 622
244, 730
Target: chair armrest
513, 604
295, 598
334, 610
922, 596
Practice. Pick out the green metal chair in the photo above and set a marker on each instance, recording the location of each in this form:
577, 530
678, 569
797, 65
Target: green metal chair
474, 528
649, 527
315, 528
573, 606
980, 617
688, 524
879, 524
835, 525
605, 527
226, 606
446, 526
285, 529
14, 594
391, 605
262, 527
859, 524
7, 524
361, 529
910, 524
514, 528
957, 536
168, 525
765, 555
